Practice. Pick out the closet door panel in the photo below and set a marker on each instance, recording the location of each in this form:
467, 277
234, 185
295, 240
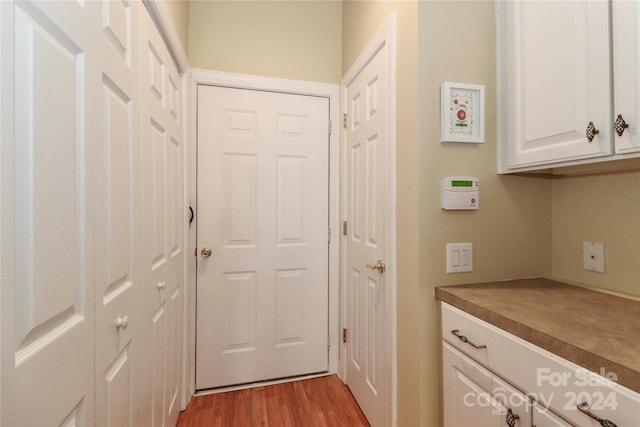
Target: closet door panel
163, 223
48, 123
118, 258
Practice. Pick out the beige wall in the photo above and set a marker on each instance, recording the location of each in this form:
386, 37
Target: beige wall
179, 11
511, 232
289, 39
602, 208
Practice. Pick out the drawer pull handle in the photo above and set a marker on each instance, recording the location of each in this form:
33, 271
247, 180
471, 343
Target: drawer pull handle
584, 406
462, 338
511, 418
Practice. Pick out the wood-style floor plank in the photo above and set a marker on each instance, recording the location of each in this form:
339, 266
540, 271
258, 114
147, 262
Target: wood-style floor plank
318, 402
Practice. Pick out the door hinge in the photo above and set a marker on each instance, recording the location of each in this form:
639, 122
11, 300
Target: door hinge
344, 335
330, 127
344, 228
329, 342
329, 234
344, 120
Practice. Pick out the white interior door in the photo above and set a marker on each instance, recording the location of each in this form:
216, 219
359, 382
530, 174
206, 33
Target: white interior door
262, 295
118, 218
163, 220
48, 122
367, 138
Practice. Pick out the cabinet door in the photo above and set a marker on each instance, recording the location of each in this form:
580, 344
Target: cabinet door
626, 68
555, 79
473, 396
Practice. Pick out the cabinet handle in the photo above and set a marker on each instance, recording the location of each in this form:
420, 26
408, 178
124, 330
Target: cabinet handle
584, 406
591, 131
511, 418
620, 125
464, 339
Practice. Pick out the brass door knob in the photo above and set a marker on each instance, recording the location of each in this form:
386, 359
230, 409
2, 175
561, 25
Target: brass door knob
377, 266
206, 252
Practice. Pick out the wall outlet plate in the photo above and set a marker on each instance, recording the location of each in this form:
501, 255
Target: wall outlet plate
593, 256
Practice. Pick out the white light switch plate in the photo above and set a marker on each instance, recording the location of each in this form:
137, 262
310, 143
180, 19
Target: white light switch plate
593, 256
459, 257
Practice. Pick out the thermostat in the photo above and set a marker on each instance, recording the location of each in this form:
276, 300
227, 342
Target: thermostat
460, 193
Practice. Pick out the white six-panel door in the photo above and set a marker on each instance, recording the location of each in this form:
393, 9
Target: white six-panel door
262, 295
367, 138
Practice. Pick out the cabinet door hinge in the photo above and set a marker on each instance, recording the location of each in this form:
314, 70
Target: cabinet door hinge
329, 342
344, 335
330, 127
344, 120
329, 234
344, 228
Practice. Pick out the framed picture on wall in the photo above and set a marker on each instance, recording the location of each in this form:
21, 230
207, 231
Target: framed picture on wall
461, 113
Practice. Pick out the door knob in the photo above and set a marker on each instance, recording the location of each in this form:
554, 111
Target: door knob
121, 322
161, 285
206, 252
378, 266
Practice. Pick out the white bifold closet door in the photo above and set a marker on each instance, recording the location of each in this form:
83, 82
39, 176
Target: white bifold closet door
50, 124
91, 194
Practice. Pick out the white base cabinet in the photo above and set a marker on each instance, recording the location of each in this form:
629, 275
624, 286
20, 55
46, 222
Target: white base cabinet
483, 363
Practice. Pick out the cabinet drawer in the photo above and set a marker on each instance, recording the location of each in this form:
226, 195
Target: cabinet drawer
549, 379
473, 396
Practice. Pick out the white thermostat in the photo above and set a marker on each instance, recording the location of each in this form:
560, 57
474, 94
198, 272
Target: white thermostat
460, 193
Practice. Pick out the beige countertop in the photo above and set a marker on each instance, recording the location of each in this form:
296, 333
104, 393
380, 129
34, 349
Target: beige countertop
595, 330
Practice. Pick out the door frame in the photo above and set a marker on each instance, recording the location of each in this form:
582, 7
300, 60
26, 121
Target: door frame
293, 87
384, 37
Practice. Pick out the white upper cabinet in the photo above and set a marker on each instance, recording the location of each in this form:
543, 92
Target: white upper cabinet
626, 65
554, 78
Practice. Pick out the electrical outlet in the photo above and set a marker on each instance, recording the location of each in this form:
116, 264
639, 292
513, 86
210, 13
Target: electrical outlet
593, 256
459, 257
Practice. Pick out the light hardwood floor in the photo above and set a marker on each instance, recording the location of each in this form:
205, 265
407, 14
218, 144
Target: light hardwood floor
317, 402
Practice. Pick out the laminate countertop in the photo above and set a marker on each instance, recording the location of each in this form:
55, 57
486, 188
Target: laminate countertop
596, 330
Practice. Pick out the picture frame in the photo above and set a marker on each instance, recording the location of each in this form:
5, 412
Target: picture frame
462, 113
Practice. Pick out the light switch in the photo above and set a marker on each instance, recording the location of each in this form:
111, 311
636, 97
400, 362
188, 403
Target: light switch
459, 257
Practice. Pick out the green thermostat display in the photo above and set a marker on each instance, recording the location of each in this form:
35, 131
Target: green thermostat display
460, 193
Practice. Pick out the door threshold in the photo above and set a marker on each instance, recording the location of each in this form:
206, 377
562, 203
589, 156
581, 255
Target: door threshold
260, 384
